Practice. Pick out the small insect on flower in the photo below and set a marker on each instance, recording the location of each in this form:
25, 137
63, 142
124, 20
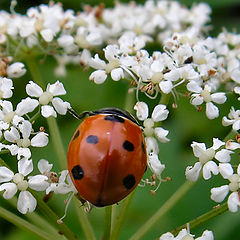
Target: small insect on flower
107, 156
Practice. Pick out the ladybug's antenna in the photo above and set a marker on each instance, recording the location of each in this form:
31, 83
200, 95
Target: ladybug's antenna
81, 116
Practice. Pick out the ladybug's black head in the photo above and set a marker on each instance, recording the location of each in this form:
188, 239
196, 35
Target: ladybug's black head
114, 112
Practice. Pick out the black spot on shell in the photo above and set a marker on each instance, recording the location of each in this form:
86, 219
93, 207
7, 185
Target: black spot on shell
92, 139
77, 172
128, 146
76, 135
129, 181
114, 118
145, 168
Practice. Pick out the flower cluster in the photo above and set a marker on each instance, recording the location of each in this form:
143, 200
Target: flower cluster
184, 234
113, 43
18, 137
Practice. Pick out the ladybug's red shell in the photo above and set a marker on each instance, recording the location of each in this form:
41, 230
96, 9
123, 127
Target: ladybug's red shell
106, 158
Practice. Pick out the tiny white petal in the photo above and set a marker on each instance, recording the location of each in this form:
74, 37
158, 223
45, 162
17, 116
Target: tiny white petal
142, 110
33, 89
193, 86
44, 166
40, 140
166, 86
225, 170
219, 193
198, 148
10, 190
217, 143
60, 106
167, 236
227, 122
13, 148
196, 99
161, 134
173, 75
219, 98
232, 145
98, 76
117, 74
192, 173
48, 111
236, 125
211, 110
152, 145
26, 202
56, 89
16, 70
160, 113
97, 63
47, 34
155, 165
25, 166
233, 202
5, 174
26, 105
223, 155
25, 128
210, 168
65, 40
23, 153
38, 182
12, 135
207, 235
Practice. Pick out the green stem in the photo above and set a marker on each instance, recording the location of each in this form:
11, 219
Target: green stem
34, 70
2, 163
57, 142
45, 209
162, 210
107, 223
165, 99
203, 218
83, 219
18, 221
120, 219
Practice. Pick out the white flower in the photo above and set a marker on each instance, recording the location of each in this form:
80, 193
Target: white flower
47, 34
63, 186
6, 86
8, 115
160, 113
98, 76
16, 70
11, 183
49, 96
206, 163
204, 95
155, 165
218, 194
21, 137
185, 235
234, 119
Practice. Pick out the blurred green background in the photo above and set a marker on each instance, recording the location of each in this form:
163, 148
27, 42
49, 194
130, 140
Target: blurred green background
185, 125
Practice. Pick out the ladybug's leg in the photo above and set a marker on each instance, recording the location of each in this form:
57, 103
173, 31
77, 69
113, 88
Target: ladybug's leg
82, 115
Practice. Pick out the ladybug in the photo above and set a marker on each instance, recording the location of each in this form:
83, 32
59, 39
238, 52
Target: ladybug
106, 156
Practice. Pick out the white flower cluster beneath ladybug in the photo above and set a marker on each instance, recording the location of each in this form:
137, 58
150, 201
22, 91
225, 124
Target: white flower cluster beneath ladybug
11, 183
